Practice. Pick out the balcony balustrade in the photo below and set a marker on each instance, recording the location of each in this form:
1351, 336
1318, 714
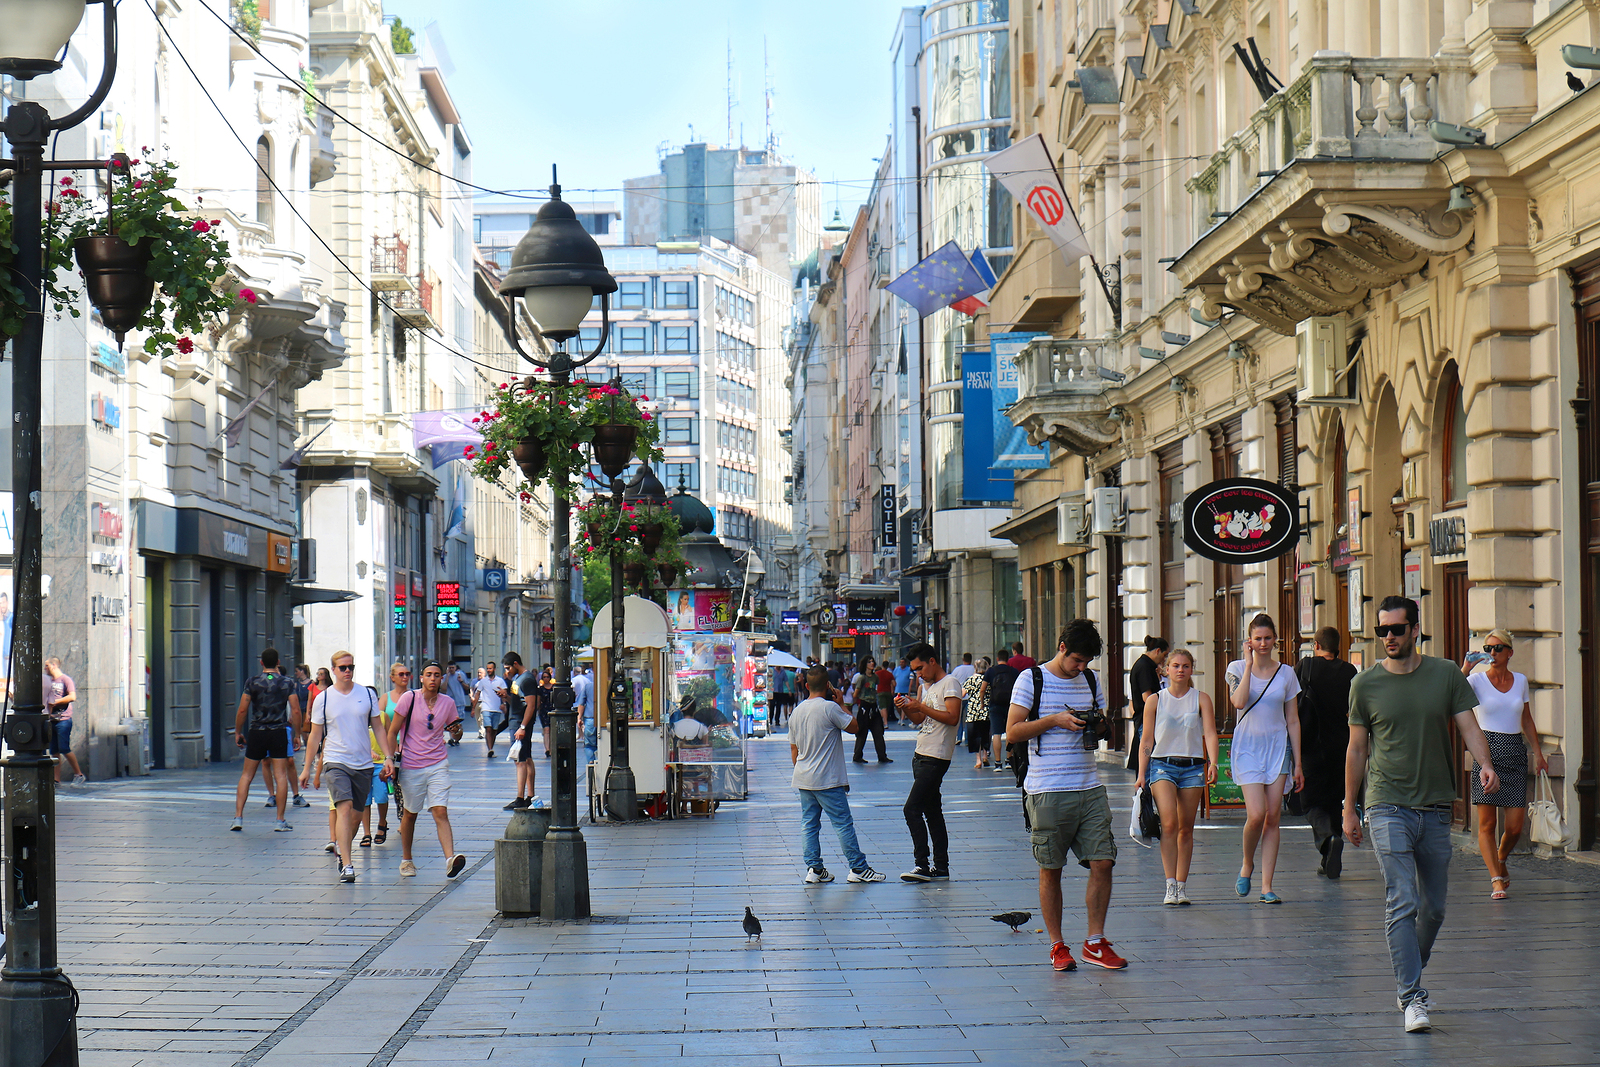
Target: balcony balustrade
1064, 388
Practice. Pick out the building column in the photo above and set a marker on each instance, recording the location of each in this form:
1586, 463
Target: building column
183, 668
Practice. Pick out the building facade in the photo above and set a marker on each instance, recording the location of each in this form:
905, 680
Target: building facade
1393, 320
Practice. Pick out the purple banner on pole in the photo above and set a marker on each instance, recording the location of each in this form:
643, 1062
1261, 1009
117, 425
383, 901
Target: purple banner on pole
442, 427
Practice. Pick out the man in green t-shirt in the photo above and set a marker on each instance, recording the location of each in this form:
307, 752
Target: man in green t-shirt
1400, 713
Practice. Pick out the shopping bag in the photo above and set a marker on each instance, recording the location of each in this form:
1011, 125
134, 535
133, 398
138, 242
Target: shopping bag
1138, 824
1544, 818
1149, 815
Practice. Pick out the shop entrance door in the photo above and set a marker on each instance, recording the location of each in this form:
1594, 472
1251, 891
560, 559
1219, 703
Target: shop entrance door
1454, 644
157, 651
1586, 413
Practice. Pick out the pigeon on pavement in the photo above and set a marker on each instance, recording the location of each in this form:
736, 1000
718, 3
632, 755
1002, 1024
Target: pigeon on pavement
1012, 919
752, 925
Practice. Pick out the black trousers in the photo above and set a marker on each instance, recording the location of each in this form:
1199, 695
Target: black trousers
870, 722
924, 811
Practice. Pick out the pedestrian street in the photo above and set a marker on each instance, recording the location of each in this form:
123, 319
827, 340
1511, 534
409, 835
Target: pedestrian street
196, 947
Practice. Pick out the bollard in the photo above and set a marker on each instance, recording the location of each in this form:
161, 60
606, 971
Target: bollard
519, 863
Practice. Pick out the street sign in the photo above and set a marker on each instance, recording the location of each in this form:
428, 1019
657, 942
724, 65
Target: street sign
791, 618
1241, 520
493, 579
888, 518
447, 605
844, 644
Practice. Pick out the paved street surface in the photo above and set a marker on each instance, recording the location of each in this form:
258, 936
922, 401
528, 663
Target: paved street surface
196, 946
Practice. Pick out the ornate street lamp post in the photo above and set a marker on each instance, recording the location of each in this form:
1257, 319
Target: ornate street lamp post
556, 271
37, 1002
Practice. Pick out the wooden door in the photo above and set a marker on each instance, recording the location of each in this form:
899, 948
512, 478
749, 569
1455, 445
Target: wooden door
1455, 641
1586, 284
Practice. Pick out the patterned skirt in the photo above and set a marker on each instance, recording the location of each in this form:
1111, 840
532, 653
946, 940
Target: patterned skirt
1509, 755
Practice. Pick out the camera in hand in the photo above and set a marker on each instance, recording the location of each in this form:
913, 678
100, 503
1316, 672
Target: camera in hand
1096, 727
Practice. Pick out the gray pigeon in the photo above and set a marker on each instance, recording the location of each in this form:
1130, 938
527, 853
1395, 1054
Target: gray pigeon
752, 925
1012, 919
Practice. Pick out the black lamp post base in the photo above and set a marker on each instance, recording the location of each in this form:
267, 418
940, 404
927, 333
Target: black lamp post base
564, 889
622, 795
38, 1023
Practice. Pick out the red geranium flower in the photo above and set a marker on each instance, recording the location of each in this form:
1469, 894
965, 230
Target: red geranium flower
248, 294
185, 345
202, 226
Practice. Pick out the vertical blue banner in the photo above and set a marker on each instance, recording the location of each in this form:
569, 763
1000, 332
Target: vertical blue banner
978, 480
1011, 448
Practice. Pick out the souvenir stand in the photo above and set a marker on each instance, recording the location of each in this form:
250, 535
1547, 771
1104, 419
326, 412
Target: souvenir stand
725, 676
645, 664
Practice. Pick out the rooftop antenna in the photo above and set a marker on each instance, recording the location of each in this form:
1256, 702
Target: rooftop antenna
730, 91
766, 67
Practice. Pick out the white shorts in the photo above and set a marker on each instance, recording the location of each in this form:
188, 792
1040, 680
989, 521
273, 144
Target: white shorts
422, 788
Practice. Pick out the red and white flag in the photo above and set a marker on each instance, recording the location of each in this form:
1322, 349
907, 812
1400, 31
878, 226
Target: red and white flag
1028, 174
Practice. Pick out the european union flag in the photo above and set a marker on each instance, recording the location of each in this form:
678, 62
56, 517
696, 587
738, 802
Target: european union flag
938, 281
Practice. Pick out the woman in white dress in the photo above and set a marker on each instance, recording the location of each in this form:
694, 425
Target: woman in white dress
1263, 691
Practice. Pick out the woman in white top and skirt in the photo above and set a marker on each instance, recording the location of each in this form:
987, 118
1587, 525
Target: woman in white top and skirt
1178, 759
1505, 718
1266, 735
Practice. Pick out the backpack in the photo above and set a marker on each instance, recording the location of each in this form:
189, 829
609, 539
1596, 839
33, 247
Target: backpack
1017, 751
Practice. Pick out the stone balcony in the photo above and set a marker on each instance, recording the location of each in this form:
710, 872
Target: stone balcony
1065, 391
1332, 190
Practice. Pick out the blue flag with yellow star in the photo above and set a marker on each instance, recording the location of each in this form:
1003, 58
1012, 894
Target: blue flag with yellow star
938, 281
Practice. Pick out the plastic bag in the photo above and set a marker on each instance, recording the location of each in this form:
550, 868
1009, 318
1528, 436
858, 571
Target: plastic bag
1144, 823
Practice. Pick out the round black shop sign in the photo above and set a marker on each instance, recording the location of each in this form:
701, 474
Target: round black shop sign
1241, 520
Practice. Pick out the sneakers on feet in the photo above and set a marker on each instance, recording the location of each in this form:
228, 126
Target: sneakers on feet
1061, 957
1417, 1016
238, 824
1172, 895
1101, 954
347, 873
330, 847
408, 869
865, 874
1182, 893
818, 875
301, 802
272, 802
457, 864
78, 779
520, 802
918, 873
1427, 1005
281, 826
941, 873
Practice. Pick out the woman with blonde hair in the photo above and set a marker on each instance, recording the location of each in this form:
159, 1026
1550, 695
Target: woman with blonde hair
1506, 719
1266, 737
1178, 759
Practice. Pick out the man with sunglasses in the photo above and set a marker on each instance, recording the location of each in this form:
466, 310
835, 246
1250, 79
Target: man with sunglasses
421, 720
1400, 714
349, 716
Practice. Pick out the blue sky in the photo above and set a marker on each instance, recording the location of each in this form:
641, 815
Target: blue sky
597, 86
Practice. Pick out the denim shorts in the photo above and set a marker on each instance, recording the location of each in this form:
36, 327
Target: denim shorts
61, 737
1182, 777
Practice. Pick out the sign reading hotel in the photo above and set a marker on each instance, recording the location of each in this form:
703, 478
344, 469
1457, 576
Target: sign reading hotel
1241, 520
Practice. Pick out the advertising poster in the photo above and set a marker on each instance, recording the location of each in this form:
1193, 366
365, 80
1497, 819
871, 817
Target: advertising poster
1011, 448
978, 480
707, 611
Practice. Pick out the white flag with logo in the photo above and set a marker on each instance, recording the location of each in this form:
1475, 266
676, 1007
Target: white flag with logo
1028, 174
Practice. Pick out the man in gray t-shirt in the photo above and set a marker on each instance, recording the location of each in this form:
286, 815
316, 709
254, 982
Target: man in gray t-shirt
820, 779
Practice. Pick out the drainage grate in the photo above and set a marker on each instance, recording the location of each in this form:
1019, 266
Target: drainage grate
404, 972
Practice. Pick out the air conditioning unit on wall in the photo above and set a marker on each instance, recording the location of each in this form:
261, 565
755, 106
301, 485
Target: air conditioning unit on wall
1110, 519
1322, 352
1071, 527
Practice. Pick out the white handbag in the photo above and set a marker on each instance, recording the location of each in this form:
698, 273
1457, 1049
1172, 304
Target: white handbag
1544, 818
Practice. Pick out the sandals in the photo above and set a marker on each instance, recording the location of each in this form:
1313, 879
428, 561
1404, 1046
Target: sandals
1500, 891
381, 836
366, 840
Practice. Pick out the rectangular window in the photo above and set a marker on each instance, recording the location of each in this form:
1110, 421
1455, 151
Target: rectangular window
677, 339
459, 236
677, 294
682, 385
588, 337
686, 474
633, 295
681, 431
640, 383
634, 339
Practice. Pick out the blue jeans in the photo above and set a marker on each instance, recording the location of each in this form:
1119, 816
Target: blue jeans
1413, 850
813, 802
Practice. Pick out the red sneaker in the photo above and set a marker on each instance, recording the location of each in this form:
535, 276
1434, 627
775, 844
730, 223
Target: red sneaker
1101, 954
1061, 957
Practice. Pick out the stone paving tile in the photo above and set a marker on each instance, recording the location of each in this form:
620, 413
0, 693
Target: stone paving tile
186, 955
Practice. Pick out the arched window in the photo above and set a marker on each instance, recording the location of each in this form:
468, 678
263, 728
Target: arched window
1453, 441
264, 182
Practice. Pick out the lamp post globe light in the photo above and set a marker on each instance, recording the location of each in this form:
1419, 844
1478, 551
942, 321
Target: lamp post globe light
556, 272
37, 1002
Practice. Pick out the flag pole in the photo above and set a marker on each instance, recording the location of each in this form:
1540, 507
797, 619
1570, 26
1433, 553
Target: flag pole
1114, 302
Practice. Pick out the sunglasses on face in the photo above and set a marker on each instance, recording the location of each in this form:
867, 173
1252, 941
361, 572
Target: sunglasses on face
345, 667
1396, 630
1496, 649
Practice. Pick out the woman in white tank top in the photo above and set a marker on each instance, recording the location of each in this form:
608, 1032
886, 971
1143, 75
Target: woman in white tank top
1178, 759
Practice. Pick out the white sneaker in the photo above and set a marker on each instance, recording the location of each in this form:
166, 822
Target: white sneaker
408, 869
1172, 895
865, 874
1417, 1017
79, 779
1182, 894
817, 875
1427, 1004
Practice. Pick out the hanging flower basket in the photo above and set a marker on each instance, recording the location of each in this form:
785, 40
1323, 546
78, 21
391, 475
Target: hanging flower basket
569, 422
633, 573
148, 262
613, 447
668, 574
531, 458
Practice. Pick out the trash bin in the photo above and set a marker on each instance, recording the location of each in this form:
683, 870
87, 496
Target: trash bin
133, 746
519, 863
